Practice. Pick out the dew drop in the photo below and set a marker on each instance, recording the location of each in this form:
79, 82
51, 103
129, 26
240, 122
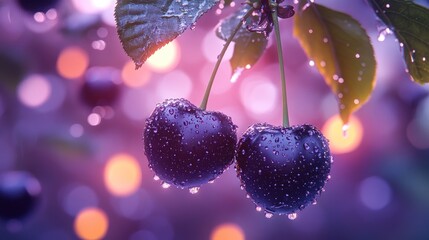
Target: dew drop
156, 178
314, 202
383, 33
357, 55
194, 190
258, 209
268, 215
165, 185
325, 40
356, 101
345, 129
306, 146
292, 216
236, 74
311, 63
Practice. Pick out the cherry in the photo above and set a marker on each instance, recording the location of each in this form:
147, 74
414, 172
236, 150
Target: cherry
283, 169
100, 87
19, 193
187, 146
32, 6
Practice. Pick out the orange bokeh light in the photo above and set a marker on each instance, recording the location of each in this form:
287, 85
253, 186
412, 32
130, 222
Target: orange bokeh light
122, 175
340, 142
72, 62
91, 224
135, 78
165, 59
227, 231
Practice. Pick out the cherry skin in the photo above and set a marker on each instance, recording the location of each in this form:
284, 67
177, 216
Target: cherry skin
19, 194
187, 146
283, 169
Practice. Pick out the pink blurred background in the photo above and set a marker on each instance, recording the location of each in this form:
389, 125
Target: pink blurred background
90, 161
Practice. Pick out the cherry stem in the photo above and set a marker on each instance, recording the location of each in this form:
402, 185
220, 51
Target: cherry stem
273, 7
203, 105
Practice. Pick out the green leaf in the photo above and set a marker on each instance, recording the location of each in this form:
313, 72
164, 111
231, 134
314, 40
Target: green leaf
249, 46
144, 26
341, 51
410, 23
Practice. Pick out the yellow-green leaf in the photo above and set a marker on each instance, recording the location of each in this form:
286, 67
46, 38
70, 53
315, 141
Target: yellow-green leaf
342, 52
410, 23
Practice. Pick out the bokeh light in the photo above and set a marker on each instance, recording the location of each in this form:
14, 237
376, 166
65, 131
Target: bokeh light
340, 141
91, 224
34, 91
136, 103
375, 193
94, 119
79, 197
258, 94
175, 84
72, 62
212, 46
122, 175
136, 206
76, 130
92, 6
165, 59
135, 78
227, 231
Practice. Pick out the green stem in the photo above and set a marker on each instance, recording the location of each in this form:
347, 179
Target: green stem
203, 105
273, 6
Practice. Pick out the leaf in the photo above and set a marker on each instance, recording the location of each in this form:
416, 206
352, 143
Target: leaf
144, 26
249, 46
341, 51
410, 23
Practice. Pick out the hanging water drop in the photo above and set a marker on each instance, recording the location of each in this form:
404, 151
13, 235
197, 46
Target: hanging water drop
268, 215
156, 178
383, 32
165, 185
292, 216
258, 208
194, 190
345, 129
236, 74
